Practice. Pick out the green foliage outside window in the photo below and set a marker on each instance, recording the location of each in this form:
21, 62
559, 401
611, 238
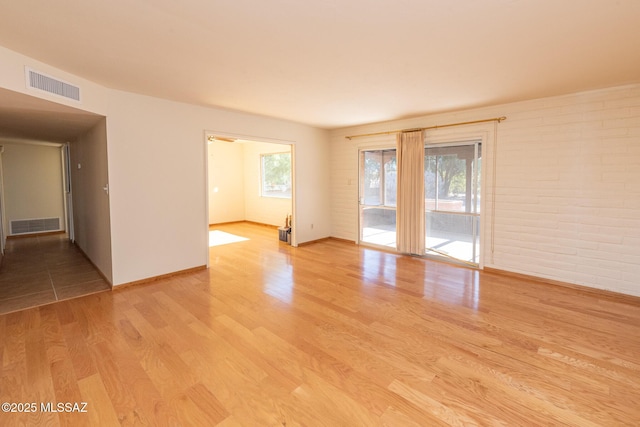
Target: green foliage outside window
276, 175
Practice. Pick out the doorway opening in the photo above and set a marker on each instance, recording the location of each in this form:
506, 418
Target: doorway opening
41, 264
378, 187
250, 179
452, 200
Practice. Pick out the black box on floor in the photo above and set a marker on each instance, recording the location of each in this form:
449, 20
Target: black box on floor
284, 233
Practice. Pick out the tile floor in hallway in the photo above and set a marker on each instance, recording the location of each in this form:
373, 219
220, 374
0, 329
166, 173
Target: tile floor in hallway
43, 269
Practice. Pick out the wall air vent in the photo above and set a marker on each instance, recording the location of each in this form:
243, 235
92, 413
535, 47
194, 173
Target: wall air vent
37, 80
40, 225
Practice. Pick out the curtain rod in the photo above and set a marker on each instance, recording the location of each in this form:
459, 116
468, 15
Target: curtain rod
494, 119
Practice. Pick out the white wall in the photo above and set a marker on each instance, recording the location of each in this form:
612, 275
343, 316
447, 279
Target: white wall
264, 210
91, 220
567, 185
226, 182
32, 182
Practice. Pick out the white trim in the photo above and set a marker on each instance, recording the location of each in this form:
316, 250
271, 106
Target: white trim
206, 196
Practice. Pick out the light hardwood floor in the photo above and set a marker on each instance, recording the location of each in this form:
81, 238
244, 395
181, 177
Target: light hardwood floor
42, 269
329, 334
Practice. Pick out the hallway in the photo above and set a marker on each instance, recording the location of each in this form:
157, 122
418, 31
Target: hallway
43, 269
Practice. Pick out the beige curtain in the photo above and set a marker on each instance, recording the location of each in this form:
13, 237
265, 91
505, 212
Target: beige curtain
410, 195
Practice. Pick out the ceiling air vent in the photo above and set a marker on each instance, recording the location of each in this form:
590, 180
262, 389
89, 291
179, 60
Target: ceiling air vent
36, 80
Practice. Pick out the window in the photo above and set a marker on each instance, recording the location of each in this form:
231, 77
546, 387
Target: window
276, 175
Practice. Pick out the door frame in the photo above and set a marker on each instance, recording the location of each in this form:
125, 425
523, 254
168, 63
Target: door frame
253, 138
360, 196
66, 190
453, 137
476, 180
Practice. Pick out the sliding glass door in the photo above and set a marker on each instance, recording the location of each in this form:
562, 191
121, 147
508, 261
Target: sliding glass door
452, 200
378, 197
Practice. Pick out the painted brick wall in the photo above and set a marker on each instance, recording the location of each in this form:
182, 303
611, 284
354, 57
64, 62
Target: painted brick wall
566, 185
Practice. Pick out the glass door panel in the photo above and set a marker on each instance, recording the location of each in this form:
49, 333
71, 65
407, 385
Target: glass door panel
452, 214
378, 197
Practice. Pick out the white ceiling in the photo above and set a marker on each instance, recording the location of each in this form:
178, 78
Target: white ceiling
333, 63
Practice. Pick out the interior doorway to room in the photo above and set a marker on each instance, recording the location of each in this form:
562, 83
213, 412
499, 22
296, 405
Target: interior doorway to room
249, 180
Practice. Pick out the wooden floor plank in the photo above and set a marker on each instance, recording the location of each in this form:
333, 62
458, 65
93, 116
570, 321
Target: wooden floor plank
99, 406
326, 334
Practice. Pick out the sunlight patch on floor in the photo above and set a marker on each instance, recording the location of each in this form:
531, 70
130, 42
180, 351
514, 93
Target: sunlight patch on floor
218, 238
